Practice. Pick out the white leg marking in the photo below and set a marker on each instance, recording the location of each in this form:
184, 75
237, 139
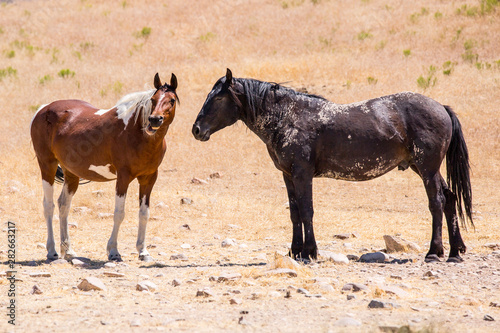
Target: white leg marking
118, 217
64, 202
143, 221
48, 212
103, 171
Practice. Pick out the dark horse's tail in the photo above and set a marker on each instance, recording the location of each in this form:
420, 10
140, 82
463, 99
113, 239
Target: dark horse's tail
458, 168
60, 177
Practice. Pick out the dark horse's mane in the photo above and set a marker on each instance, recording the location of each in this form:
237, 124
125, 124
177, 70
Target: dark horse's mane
260, 93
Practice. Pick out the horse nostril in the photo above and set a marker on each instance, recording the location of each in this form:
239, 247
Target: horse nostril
196, 130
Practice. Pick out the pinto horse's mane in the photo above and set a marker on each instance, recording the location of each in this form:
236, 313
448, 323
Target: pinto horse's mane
132, 105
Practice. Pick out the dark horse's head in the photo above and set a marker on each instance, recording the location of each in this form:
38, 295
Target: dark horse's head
222, 108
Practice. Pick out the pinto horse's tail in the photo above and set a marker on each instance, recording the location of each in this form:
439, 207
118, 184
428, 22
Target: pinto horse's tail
458, 168
60, 177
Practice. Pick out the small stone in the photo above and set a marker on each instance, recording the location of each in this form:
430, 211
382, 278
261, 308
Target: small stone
274, 294
105, 215
347, 321
215, 175
40, 274
325, 286
146, 286
185, 227
493, 246
186, 201
393, 290
176, 282
91, 283
186, 246
113, 274
36, 290
235, 301
205, 292
487, 317
228, 242
398, 244
431, 275
342, 236
396, 277
59, 262
110, 265
98, 193
228, 277
350, 297
376, 257
198, 181
40, 246
352, 257
77, 262
179, 256
336, 258
73, 225
302, 291
374, 304
394, 329
355, 287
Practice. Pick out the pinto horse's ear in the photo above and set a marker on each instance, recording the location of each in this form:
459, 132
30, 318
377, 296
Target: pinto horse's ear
173, 82
157, 81
229, 78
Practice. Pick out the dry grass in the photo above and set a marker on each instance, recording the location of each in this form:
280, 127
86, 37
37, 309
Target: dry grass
346, 51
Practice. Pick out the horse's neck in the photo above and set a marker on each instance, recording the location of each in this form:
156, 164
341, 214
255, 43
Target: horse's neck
263, 122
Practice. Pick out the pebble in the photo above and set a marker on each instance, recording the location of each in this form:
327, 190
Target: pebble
350, 297
336, 258
398, 244
91, 283
343, 236
431, 275
374, 304
186, 201
228, 242
105, 215
146, 286
110, 265
113, 274
40, 274
198, 181
36, 290
393, 290
274, 294
281, 271
355, 287
135, 323
488, 318
205, 292
179, 256
40, 246
59, 262
176, 282
376, 257
235, 301
228, 277
185, 227
325, 286
302, 291
77, 263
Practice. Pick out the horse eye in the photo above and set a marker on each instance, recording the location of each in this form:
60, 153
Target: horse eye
172, 101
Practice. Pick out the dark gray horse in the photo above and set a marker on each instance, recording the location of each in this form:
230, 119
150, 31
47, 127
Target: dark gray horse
308, 136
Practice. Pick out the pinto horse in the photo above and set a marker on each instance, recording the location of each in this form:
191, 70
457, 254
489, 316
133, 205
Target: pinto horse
122, 143
307, 136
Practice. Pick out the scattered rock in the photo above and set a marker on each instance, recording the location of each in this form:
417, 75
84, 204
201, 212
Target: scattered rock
198, 181
40, 246
98, 193
91, 283
302, 291
110, 265
228, 242
228, 277
36, 290
105, 215
179, 256
487, 317
73, 225
186, 246
374, 304
205, 292
493, 246
394, 329
59, 262
336, 258
215, 175
281, 271
113, 274
186, 201
350, 297
355, 287
235, 301
495, 304
146, 286
393, 290
398, 244
431, 275
344, 236
40, 274
376, 257
176, 282
135, 323
185, 227
77, 262
347, 321
325, 286
352, 257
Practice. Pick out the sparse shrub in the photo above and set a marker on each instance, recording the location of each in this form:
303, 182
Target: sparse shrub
487, 6
124, 4
6, 72
209, 36
438, 15
371, 80
66, 73
364, 35
469, 55
428, 80
10, 54
86, 46
45, 79
448, 67
381, 45
407, 52
144, 33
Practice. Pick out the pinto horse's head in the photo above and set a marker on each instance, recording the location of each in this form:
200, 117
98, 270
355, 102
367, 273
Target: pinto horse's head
163, 104
221, 109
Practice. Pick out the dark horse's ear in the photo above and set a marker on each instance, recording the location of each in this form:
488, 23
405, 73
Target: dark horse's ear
157, 81
173, 82
229, 78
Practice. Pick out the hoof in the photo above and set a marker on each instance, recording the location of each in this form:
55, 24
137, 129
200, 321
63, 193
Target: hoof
146, 258
52, 257
432, 258
115, 257
456, 259
70, 255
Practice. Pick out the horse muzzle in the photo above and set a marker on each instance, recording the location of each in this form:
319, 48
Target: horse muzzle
154, 123
200, 134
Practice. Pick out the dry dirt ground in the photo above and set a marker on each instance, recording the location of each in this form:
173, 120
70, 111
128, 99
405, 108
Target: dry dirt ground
346, 51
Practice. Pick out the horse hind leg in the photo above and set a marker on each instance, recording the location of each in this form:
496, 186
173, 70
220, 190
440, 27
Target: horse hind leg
69, 188
457, 245
434, 189
48, 212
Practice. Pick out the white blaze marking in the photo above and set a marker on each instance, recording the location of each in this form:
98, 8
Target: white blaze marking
101, 112
103, 170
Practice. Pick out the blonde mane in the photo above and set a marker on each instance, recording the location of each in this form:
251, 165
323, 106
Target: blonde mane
132, 105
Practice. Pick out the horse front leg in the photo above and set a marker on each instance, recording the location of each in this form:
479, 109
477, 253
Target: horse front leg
122, 183
297, 238
302, 182
146, 184
48, 212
